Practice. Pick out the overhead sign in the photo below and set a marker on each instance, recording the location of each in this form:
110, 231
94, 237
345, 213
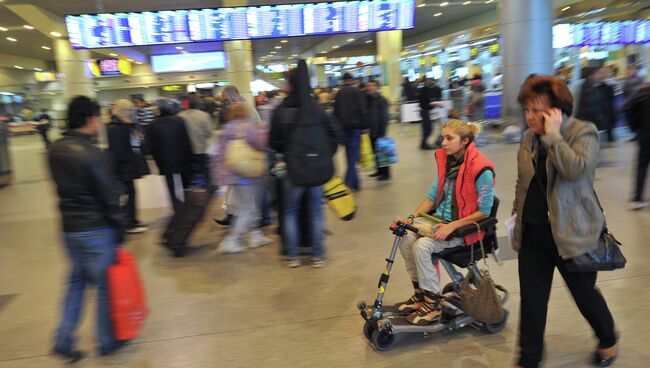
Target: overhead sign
108, 67
188, 62
225, 24
172, 88
601, 33
44, 76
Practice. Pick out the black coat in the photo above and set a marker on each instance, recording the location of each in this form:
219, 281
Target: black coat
350, 108
129, 162
637, 110
88, 192
428, 95
170, 145
597, 105
378, 115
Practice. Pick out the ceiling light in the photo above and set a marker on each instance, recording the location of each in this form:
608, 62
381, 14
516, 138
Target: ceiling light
273, 52
129, 60
27, 26
179, 47
323, 52
284, 41
461, 36
55, 34
467, 2
139, 62
278, 47
11, 39
294, 55
335, 47
566, 8
422, 5
38, 69
437, 14
46, 48
444, 4
3, 29
18, 67
113, 54
487, 29
350, 39
369, 41
489, 1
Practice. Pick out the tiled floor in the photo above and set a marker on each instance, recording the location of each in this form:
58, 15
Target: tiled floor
209, 310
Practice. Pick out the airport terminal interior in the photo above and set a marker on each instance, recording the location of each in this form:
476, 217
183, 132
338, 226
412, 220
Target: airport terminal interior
210, 296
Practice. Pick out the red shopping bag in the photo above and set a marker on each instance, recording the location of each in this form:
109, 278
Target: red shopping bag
126, 295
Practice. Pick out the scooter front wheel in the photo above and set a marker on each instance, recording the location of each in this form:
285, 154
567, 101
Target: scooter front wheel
368, 328
493, 328
382, 340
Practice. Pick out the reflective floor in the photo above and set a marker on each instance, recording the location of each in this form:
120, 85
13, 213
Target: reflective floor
246, 310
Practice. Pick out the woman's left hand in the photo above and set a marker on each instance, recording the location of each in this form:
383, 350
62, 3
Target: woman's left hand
442, 231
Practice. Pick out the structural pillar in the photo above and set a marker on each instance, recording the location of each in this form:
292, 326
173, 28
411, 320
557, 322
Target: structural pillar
240, 60
72, 64
389, 48
321, 77
5, 159
526, 41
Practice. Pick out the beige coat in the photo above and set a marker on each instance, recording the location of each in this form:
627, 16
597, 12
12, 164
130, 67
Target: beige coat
574, 213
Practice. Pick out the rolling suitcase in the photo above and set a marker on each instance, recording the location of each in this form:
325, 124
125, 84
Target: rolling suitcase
188, 215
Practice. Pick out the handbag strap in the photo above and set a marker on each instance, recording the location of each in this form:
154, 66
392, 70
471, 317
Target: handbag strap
480, 239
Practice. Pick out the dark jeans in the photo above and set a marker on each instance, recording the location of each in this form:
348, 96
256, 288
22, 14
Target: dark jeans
292, 197
382, 171
90, 254
129, 207
538, 259
426, 126
44, 135
643, 160
352, 141
201, 170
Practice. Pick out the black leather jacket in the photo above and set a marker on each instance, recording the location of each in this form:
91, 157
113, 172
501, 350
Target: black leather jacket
88, 193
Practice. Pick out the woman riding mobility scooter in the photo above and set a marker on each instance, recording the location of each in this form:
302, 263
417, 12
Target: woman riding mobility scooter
461, 198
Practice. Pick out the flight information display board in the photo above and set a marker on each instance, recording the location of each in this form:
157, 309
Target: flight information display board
89, 31
601, 33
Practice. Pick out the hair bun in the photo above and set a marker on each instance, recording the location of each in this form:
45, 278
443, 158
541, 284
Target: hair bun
474, 128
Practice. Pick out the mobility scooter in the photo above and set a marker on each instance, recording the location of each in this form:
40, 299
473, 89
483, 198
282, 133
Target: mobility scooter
384, 323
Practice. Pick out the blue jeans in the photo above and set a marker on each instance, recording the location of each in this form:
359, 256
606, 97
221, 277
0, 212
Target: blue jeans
292, 201
90, 253
352, 142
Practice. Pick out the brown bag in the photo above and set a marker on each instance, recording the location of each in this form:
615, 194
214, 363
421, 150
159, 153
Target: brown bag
481, 301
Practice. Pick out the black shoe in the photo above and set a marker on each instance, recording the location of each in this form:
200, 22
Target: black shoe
383, 178
600, 361
226, 221
374, 175
70, 356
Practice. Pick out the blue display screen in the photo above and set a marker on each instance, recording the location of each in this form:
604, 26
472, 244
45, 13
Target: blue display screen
601, 33
188, 62
224, 24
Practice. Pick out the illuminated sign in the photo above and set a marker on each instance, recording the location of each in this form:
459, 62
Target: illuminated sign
108, 67
188, 62
44, 76
172, 88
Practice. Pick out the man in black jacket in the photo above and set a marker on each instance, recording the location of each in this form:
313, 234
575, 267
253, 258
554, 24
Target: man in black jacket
93, 224
378, 116
637, 113
350, 110
170, 146
596, 103
429, 93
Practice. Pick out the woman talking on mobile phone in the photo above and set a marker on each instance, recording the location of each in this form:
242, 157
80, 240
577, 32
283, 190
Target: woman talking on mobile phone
558, 216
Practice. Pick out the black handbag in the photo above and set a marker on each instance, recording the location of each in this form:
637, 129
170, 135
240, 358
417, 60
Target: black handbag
607, 255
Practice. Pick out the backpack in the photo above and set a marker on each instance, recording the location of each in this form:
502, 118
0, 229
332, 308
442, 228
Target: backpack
307, 153
243, 159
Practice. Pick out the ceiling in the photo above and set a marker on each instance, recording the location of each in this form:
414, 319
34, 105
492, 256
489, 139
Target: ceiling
30, 42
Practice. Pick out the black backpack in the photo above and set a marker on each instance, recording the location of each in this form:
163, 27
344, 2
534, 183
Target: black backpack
307, 152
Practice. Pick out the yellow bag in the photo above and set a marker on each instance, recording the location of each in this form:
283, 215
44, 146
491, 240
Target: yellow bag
340, 199
366, 156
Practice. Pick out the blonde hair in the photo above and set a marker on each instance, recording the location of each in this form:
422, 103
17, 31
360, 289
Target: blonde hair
464, 129
123, 110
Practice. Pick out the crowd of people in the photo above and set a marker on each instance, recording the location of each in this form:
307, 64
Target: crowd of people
295, 139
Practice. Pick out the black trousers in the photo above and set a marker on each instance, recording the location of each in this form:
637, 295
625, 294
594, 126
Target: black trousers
382, 171
643, 160
129, 208
538, 259
426, 126
171, 187
201, 169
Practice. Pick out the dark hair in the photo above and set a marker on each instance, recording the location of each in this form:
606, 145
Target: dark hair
376, 82
347, 76
195, 101
554, 88
79, 110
